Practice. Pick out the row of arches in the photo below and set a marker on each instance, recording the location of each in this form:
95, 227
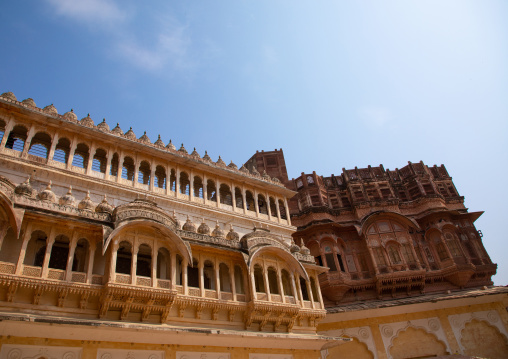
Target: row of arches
123, 166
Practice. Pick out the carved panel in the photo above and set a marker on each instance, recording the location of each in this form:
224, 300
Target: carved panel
129, 354
202, 355
363, 334
14, 351
459, 321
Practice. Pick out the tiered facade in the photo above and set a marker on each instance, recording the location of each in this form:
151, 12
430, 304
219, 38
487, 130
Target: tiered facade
112, 246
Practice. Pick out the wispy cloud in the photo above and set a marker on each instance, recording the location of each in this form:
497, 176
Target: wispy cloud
163, 50
89, 11
375, 117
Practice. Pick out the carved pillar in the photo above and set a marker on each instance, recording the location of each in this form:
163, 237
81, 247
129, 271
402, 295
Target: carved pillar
278, 209
279, 282
151, 185
134, 262
26, 238
373, 259
233, 197
54, 142
232, 281
299, 293
311, 294
168, 179
268, 206
154, 266
287, 211
70, 257
201, 279
89, 266
191, 185
267, 284
414, 253
173, 270
256, 204
47, 255
217, 192
320, 296
108, 164
205, 189
177, 181
74, 145
217, 279
244, 200
293, 287
91, 155
28, 141
120, 166
184, 277
112, 263
136, 170
253, 286
387, 259
8, 128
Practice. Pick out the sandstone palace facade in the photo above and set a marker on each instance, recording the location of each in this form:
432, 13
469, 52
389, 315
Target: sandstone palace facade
112, 246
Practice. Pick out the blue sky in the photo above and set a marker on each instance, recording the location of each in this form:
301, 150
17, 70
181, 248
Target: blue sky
334, 83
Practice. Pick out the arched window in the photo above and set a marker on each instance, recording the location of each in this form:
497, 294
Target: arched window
210, 191
238, 198
62, 150
163, 264
453, 245
99, 161
286, 283
80, 158
303, 287
249, 199
160, 177
40, 145
239, 280
144, 173
378, 254
262, 205
128, 169
184, 183
407, 253
59, 253
225, 280
209, 275
393, 253
124, 258
36, 249
330, 261
144, 265
198, 187
225, 195
172, 181
11, 247
2, 129
258, 279
282, 210
193, 274
441, 252
81, 254
272, 281
114, 165
17, 138
273, 207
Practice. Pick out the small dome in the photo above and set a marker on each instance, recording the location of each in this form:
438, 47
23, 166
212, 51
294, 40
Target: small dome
182, 149
232, 235
104, 206
294, 247
9, 95
171, 146
266, 176
220, 162
217, 232
87, 121
103, 126
25, 189
233, 166
189, 226
254, 171
144, 138
71, 116
130, 134
48, 194
50, 110
117, 130
304, 250
87, 204
29, 101
206, 157
244, 169
203, 228
159, 142
68, 199
195, 153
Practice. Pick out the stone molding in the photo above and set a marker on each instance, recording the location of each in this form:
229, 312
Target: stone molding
432, 325
459, 321
202, 355
270, 356
15, 351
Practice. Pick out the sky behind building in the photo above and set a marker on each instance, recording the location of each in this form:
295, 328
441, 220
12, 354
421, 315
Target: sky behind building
333, 83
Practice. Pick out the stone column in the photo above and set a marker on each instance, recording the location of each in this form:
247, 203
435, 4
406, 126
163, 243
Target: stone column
154, 266
287, 211
168, 180
299, 294
191, 185
54, 142
177, 183
26, 238
184, 277
217, 280
89, 266
267, 284
112, 264
281, 287
253, 286
244, 200
232, 281
26, 145
293, 287
151, 184
108, 164
201, 279
320, 296
268, 206
8, 128
136, 170
134, 262
173, 270
311, 295
233, 197
70, 258
91, 154
72, 149
205, 189
121, 158
256, 204
217, 192
47, 255
278, 209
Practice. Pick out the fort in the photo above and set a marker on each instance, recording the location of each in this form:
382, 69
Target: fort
112, 246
